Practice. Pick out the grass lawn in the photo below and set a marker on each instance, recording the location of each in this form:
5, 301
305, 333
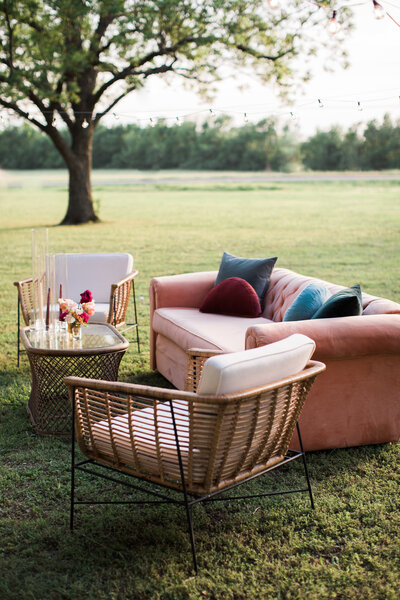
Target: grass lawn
348, 548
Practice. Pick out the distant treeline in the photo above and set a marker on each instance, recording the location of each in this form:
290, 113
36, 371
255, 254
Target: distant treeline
214, 146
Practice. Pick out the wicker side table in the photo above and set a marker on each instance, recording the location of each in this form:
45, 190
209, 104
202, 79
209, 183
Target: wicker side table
52, 357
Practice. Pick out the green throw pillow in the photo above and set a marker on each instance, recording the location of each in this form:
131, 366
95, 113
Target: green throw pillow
256, 271
345, 303
307, 303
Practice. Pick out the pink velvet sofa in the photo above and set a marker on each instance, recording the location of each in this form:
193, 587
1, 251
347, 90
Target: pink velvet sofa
356, 401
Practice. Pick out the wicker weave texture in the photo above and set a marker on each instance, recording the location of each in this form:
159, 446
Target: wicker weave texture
119, 298
222, 439
49, 406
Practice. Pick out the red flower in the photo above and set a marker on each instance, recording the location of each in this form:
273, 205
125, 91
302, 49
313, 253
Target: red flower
62, 316
86, 296
84, 317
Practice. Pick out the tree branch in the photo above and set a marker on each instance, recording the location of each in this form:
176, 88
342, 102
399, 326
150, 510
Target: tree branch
256, 54
131, 69
10, 36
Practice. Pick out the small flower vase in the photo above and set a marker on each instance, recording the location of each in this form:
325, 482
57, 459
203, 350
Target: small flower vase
74, 329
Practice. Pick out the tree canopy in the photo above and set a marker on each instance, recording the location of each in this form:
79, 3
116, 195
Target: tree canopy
69, 62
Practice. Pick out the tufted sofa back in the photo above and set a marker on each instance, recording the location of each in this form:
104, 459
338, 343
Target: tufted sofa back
286, 285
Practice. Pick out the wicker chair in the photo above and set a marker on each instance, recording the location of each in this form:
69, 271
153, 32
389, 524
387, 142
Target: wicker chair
195, 443
99, 273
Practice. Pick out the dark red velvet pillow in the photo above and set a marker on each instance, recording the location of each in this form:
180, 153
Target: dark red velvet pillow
234, 297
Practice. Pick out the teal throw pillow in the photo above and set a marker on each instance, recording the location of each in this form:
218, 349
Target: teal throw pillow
256, 271
307, 303
345, 303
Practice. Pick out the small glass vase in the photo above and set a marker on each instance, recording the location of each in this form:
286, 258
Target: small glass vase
74, 329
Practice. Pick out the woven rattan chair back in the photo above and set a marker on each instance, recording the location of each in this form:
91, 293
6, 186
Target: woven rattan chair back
222, 439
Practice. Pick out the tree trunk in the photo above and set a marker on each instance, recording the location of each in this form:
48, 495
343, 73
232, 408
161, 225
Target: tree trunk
80, 205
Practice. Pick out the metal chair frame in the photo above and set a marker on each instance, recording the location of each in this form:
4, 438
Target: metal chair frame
181, 494
188, 500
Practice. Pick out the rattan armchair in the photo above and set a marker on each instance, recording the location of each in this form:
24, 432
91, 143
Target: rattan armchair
113, 295
198, 445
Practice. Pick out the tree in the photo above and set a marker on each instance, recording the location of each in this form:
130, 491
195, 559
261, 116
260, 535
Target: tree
70, 62
323, 151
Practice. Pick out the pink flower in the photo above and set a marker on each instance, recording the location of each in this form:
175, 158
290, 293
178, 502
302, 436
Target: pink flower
89, 308
84, 317
86, 296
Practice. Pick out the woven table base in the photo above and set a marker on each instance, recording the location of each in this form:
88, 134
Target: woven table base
49, 407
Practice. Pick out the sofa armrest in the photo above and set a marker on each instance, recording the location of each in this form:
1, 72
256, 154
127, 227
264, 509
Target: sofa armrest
343, 337
184, 290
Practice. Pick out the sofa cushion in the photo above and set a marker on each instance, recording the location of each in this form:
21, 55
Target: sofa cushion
256, 271
345, 303
233, 296
307, 303
229, 373
143, 431
190, 328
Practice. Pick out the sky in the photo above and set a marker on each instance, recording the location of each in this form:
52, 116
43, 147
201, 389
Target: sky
371, 84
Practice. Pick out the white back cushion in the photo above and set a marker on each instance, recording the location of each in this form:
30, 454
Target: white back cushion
95, 272
237, 371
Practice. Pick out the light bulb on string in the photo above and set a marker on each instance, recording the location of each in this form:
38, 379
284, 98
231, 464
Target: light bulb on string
273, 4
85, 124
333, 25
379, 11
245, 118
320, 103
359, 107
115, 116
152, 122
293, 116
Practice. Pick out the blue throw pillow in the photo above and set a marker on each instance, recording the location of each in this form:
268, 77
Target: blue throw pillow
307, 303
345, 303
256, 271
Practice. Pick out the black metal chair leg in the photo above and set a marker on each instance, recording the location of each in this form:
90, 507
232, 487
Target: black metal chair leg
136, 317
71, 518
187, 506
305, 467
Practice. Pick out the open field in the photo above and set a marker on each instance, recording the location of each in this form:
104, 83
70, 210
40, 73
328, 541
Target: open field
345, 232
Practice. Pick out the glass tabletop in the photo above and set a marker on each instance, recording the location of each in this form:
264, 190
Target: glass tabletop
94, 336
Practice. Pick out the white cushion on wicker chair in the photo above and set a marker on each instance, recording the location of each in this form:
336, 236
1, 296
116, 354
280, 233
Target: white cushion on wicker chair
95, 272
236, 371
143, 432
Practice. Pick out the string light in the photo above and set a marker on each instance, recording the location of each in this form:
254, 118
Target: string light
245, 118
293, 116
115, 116
320, 103
359, 107
85, 124
333, 25
379, 11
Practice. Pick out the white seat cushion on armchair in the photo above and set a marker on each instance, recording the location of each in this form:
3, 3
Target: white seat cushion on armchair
237, 371
95, 272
